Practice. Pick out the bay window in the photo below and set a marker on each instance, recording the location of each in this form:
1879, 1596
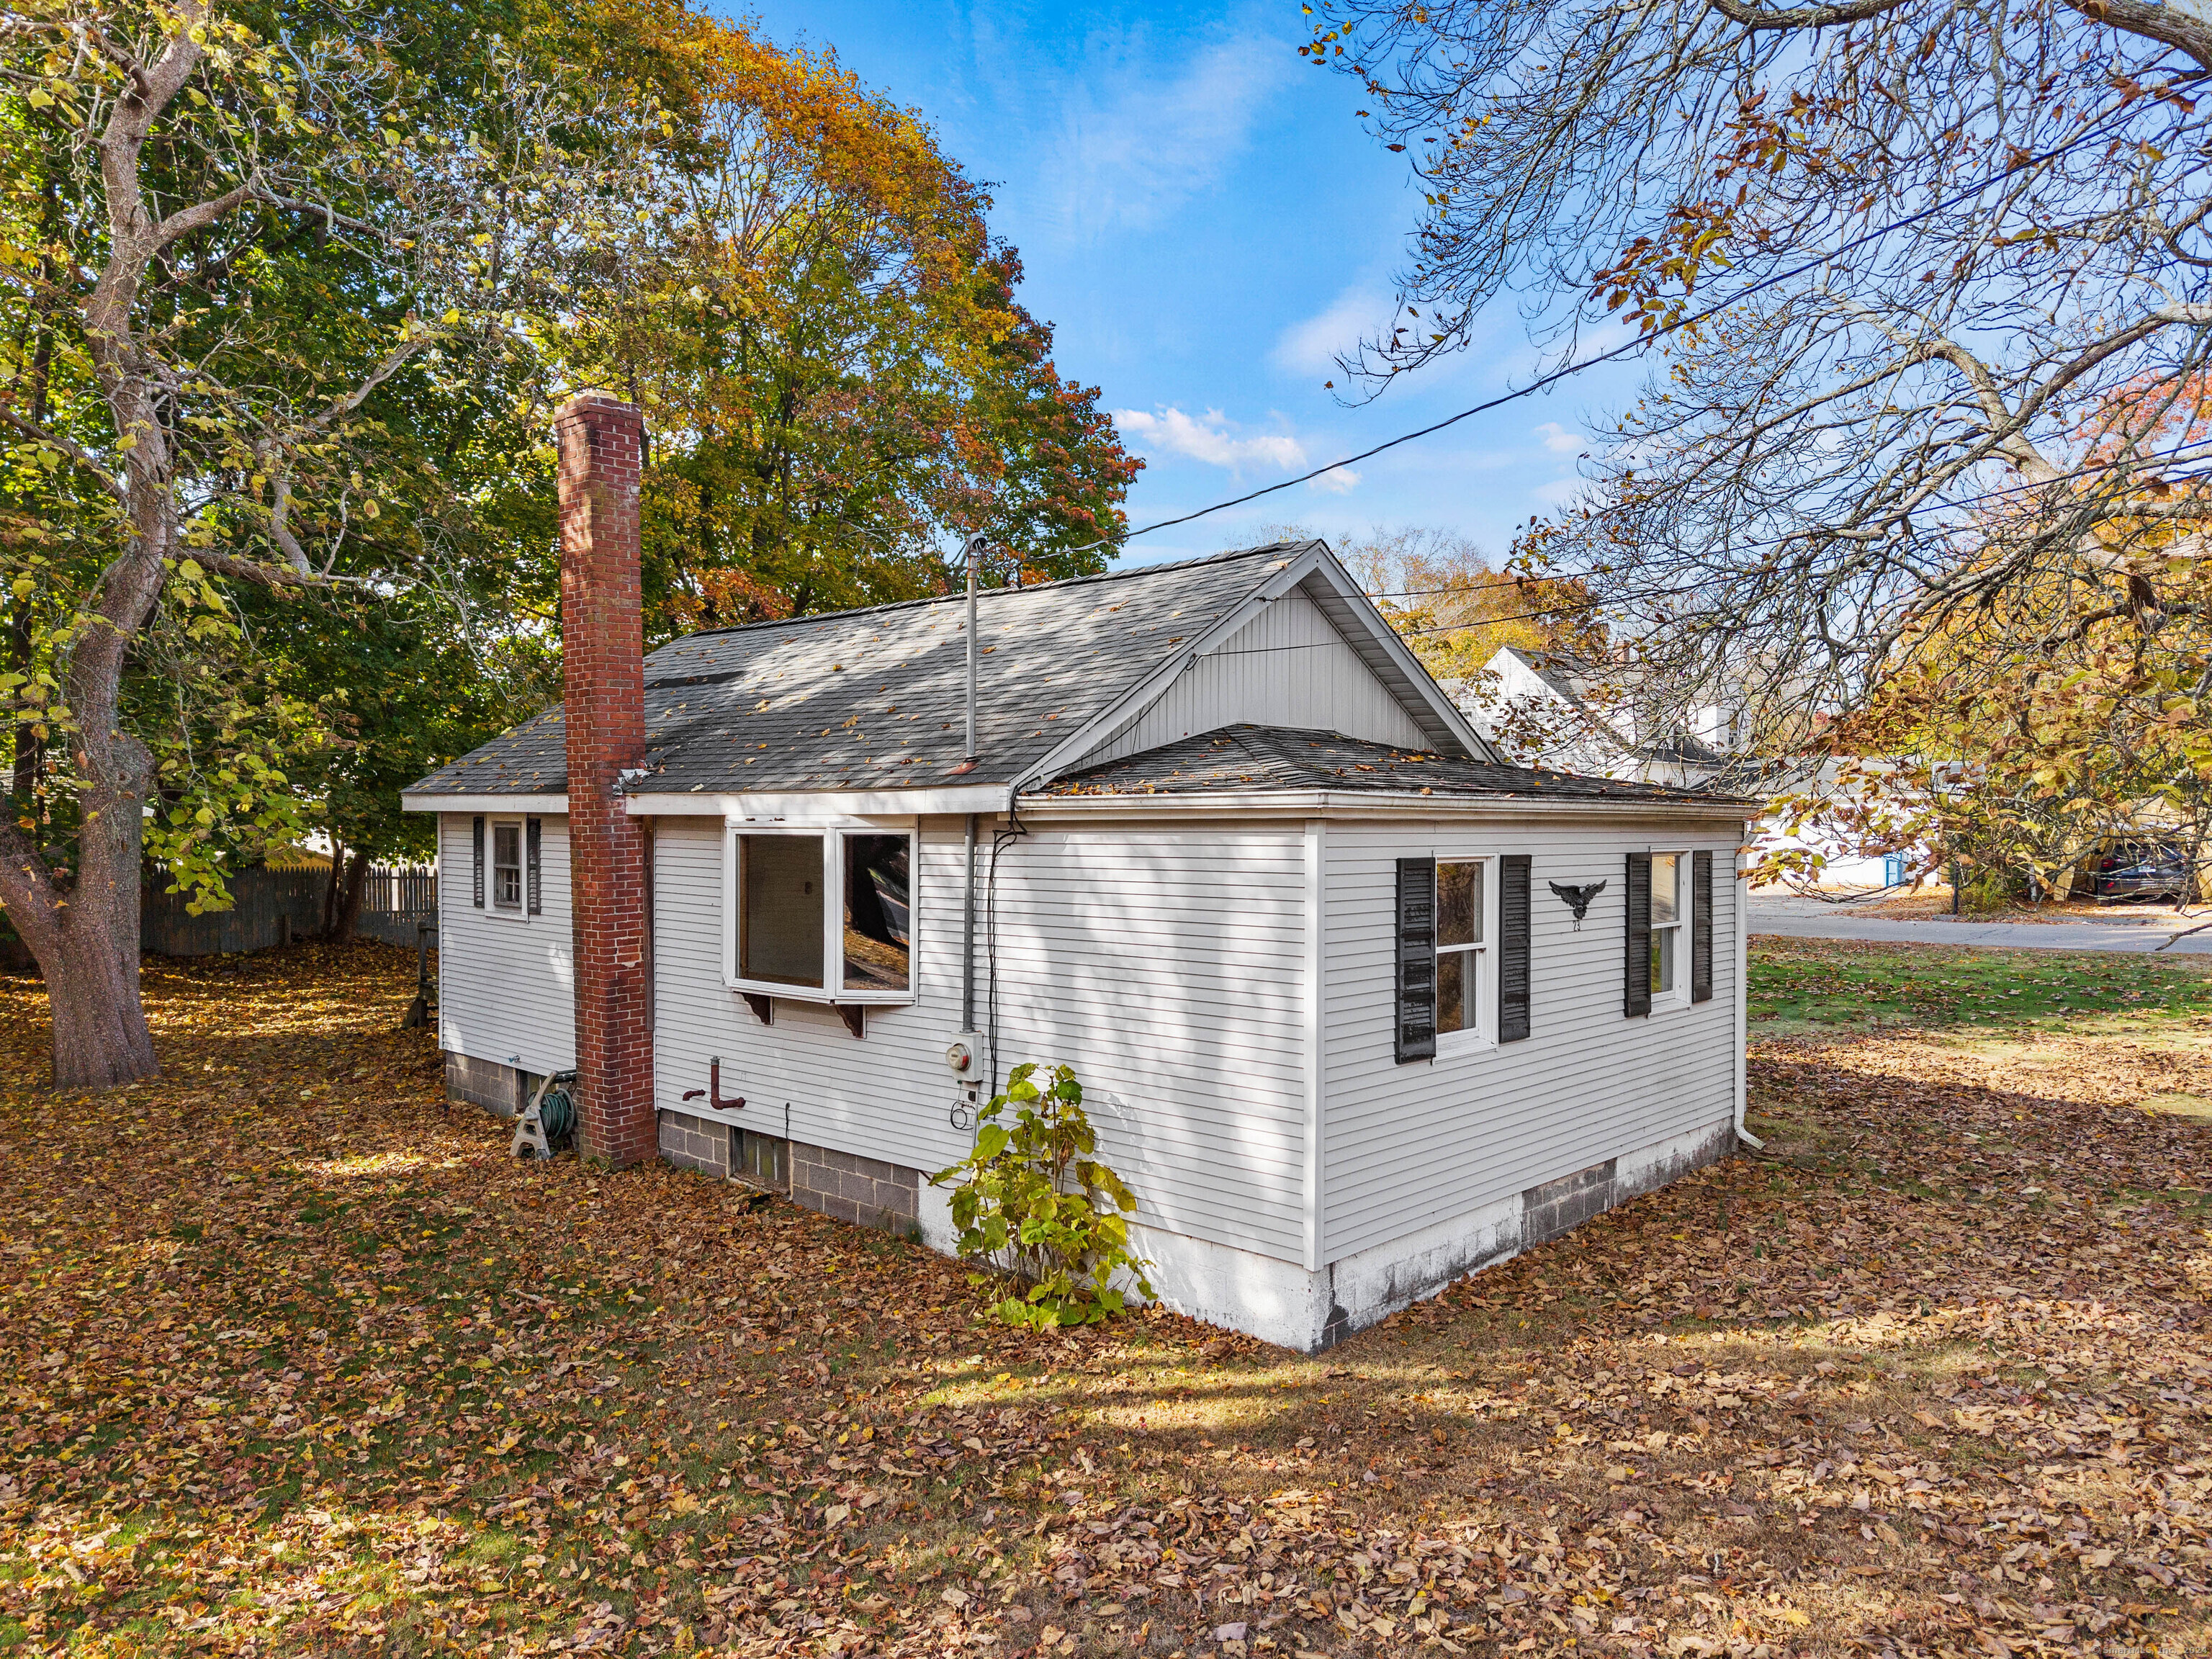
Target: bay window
823, 915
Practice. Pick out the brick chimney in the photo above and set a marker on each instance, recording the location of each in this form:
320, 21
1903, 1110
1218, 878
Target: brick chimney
602, 441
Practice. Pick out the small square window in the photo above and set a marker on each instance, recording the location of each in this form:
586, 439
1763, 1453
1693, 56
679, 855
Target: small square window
780, 909
764, 1160
507, 865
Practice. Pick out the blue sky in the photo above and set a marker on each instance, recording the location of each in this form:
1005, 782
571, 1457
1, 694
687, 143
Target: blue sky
1203, 221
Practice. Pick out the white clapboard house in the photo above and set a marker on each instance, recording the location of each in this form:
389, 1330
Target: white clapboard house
1357, 1008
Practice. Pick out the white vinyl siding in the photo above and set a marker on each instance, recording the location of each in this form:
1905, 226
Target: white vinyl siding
884, 1096
1287, 667
1166, 966
1407, 1146
506, 979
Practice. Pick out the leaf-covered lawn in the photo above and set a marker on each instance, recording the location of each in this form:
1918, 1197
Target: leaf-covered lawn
292, 1361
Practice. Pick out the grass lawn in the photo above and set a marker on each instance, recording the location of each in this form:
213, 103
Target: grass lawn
292, 1360
1832, 985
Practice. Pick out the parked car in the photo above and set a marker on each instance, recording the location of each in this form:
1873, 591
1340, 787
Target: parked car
2145, 868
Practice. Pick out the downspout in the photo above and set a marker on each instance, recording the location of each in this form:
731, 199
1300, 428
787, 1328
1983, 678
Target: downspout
1742, 908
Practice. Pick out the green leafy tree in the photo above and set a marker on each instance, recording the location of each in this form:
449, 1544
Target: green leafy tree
228, 230
1032, 1199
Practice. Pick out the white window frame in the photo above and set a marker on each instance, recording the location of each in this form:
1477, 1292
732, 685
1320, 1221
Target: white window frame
1484, 1032
832, 836
520, 910
1685, 920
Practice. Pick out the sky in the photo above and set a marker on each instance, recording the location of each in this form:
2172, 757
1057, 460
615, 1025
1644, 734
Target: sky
1202, 219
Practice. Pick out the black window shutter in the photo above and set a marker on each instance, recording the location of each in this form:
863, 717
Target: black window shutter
537, 884
1417, 959
1513, 948
476, 836
1701, 926
1636, 997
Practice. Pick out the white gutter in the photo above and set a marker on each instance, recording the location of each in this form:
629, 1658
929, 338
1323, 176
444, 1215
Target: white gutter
1357, 803
541, 805
800, 803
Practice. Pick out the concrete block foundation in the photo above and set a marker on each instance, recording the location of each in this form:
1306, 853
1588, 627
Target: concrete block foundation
865, 1191
1282, 1302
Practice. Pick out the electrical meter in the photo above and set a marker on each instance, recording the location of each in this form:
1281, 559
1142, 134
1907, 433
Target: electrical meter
961, 1054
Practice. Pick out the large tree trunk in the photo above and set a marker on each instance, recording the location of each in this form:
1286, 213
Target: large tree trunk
85, 932
100, 1036
348, 906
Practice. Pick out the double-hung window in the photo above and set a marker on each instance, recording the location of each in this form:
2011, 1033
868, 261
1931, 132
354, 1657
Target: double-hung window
821, 915
1670, 929
507, 865
1465, 925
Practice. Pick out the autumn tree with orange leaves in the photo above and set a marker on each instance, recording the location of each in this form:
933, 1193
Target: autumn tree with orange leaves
840, 379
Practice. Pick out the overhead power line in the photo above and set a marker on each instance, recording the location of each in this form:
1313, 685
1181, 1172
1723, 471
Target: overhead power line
1566, 371
2202, 446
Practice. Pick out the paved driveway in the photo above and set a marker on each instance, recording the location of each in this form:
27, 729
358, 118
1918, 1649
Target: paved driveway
1800, 918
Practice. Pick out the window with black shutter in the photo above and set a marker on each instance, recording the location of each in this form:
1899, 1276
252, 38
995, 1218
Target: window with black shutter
1417, 960
1513, 926
1701, 926
476, 833
533, 855
1636, 986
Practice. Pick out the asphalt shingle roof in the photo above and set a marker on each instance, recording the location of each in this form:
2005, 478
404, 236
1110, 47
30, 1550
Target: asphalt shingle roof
1244, 759
876, 699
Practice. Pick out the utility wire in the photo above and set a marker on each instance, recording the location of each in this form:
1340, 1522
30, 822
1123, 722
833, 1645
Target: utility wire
1641, 341
2179, 452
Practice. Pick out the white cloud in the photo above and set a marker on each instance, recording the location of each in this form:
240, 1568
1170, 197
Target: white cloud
1558, 439
1210, 437
1337, 481
1559, 491
1312, 347
1137, 140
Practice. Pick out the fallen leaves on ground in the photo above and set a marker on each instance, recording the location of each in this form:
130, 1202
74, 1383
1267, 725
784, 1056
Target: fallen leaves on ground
295, 1359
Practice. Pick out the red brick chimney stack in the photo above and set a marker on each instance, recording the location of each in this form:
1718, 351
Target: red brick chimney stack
602, 445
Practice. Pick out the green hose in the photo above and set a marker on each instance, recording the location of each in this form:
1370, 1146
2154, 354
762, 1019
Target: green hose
556, 1115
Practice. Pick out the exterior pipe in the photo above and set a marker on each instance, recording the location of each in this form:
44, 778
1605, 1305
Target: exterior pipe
968, 936
973, 551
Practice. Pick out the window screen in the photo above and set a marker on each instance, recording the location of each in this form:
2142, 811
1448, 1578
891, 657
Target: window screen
762, 1159
507, 865
1461, 946
780, 909
1667, 948
877, 924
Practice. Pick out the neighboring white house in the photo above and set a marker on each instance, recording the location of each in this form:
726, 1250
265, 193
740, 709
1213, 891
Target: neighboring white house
1558, 705
1225, 848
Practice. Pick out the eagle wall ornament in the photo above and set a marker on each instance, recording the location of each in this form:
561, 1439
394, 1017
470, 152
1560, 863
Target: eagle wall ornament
1578, 899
